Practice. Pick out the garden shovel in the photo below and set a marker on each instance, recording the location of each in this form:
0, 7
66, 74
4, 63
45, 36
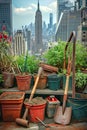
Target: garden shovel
63, 113
23, 121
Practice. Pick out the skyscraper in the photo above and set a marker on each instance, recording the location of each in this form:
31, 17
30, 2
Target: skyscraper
61, 6
6, 15
51, 20
81, 3
38, 30
19, 43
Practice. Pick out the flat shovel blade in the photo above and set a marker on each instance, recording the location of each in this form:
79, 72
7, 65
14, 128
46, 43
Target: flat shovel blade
61, 118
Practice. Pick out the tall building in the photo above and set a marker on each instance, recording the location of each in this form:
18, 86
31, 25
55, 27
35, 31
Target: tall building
51, 20
6, 15
19, 43
38, 30
69, 21
61, 6
81, 3
73, 20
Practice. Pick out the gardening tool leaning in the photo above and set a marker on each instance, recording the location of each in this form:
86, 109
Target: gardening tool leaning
63, 113
23, 121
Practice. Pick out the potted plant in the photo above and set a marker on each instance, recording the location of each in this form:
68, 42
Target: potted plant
6, 59
81, 81
27, 66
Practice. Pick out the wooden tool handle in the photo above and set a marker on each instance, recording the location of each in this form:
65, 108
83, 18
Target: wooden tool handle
66, 85
36, 82
33, 90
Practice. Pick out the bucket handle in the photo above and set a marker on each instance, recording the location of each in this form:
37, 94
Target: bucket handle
77, 104
81, 107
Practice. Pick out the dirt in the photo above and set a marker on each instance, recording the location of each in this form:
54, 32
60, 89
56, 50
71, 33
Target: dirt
11, 96
36, 101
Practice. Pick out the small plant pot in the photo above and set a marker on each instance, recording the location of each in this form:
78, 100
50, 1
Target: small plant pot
36, 111
53, 82
8, 79
42, 81
11, 105
23, 82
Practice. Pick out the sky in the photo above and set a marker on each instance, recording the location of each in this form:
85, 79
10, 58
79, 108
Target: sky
24, 11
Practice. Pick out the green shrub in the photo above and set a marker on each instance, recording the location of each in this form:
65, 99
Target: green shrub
55, 55
31, 65
81, 79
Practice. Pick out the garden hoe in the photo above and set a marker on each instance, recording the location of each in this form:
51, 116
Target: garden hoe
23, 121
63, 113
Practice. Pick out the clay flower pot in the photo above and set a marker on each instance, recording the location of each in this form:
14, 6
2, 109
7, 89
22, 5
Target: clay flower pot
11, 104
8, 79
42, 81
23, 82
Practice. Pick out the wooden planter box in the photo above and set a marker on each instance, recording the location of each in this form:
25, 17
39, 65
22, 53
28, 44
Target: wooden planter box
11, 105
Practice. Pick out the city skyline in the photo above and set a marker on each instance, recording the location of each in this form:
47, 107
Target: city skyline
24, 11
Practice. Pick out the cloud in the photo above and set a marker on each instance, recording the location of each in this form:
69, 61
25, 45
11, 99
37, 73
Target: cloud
32, 7
45, 9
22, 10
50, 8
53, 6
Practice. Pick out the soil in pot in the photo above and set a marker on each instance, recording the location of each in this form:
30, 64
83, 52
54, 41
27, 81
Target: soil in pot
11, 105
36, 108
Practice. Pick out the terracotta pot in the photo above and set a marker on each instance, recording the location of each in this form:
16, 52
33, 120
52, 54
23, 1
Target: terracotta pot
23, 82
8, 79
11, 104
36, 111
42, 81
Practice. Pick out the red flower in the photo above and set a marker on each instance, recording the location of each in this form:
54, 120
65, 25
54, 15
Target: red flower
5, 36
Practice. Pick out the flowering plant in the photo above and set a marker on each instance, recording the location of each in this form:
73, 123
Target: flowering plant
5, 50
5, 41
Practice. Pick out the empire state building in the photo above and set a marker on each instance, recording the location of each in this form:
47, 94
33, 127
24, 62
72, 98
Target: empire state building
38, 30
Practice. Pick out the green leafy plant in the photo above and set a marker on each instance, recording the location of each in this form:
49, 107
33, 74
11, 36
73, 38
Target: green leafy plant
27, 64
81, 79
81, 56
55, 55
